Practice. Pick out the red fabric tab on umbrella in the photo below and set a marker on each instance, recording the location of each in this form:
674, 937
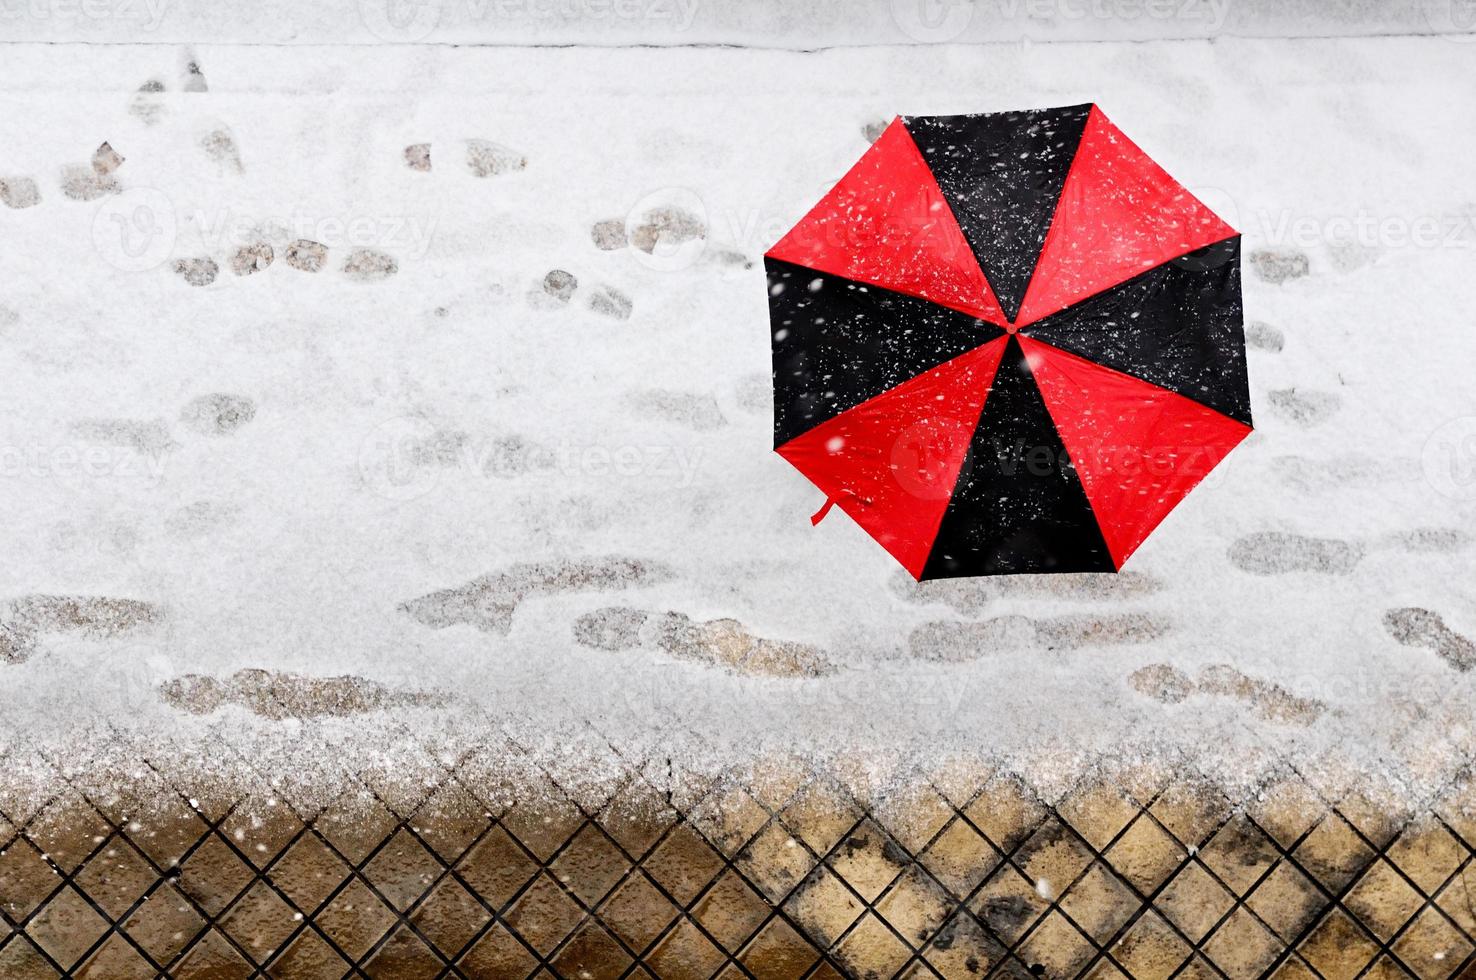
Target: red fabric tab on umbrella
891, 462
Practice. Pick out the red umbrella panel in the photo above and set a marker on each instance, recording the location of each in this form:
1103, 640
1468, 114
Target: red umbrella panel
1007, 343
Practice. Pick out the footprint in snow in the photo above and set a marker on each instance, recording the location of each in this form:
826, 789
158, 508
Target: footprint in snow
363, 265
252, 258
1260, 335
218, 414
1428, 540
665, 227
488, 603
24, 619
608, 235
306, 255
975, 595
611, 302
105, 159
220, 147
198, 271
754, 393
1416, 627
724, 643
18, 193
694, 411
1280, 265
93, 180
148, 103
483, 158
1278, 553
727, 258
418, 157
953, 642
487, 159
1348, 470
192, 77
81, 184
1271, 701
555, 291
198, 519
1303, 408
369, 265
279, 695
151, 438
560, 285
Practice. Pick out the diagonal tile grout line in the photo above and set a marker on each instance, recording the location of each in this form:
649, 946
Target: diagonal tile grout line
1006, 861
729, 865
312, 924
1146, 901
261, 875
588, 916
684, 912
1379, 853
161, 878
775, 815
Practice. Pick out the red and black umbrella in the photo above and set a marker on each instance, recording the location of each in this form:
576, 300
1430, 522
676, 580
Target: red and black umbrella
1007, 343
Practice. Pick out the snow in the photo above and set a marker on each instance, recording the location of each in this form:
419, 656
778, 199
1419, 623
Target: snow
424, 471
800, 24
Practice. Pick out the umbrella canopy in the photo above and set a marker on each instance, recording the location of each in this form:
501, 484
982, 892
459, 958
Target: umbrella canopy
1007, 343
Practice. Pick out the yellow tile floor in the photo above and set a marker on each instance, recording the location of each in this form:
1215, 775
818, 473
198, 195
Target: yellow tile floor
778, 878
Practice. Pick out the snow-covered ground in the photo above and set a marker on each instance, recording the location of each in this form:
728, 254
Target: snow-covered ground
500, 500
791, 24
